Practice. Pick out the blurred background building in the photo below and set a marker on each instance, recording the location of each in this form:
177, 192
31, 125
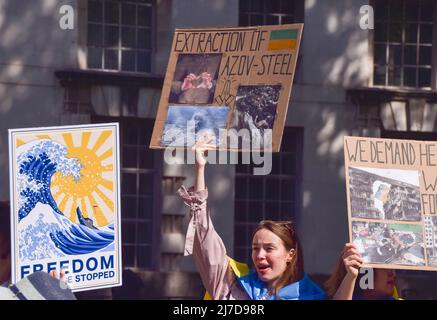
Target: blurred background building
110, 68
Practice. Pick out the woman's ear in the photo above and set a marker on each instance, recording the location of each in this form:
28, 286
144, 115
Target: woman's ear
290, 255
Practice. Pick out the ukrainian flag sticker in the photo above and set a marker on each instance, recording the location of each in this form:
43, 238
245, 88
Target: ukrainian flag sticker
283, 39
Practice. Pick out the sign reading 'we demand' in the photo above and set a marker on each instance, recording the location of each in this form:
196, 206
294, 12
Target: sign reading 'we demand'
392, 201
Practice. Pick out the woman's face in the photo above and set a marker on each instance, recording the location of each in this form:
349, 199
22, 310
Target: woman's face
384, 281
269, 256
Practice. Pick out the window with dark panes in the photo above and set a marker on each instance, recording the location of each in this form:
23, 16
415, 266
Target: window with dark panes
276, 196
266, 12
77, 99
120, 35
272, 12
141, 171
402, 43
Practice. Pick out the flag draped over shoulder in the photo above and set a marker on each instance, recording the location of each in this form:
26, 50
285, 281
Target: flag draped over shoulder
305, 289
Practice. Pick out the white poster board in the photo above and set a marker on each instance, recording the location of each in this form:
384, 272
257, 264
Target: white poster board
65, 203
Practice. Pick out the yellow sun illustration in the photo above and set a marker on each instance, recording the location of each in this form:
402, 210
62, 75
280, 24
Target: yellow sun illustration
93, 193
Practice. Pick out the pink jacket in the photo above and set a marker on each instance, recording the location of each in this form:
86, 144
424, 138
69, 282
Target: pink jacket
208, 249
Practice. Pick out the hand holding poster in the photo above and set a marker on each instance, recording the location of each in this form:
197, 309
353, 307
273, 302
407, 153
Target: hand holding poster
65, 204
228, 81
392, 201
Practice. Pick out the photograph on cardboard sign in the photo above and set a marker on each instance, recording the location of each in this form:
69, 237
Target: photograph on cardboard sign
255, 109
431, 239
185, 124
386, 194
389, 243
195, 78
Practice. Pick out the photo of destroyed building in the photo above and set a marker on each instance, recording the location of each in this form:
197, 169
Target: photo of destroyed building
375, 196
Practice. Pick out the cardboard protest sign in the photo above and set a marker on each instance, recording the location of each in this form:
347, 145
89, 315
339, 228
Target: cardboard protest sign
228, 80
392, 201
65, 206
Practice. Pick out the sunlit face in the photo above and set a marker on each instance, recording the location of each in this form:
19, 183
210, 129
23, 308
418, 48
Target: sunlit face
384, 282
269, 256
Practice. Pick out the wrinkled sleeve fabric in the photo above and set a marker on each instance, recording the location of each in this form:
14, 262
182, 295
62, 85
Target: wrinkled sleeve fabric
206, 246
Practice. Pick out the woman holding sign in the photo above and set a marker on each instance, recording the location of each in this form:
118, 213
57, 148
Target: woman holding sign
346, 283
276, 252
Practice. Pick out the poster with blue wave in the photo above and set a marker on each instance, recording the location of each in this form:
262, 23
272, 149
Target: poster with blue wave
65, 203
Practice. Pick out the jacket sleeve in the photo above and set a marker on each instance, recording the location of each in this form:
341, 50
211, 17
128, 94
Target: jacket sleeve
206, 245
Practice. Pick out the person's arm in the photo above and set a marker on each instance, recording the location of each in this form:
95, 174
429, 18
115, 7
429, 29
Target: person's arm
208, 249
346, 289
352, 262
199, 184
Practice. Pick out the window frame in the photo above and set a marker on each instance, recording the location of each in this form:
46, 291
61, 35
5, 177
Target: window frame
371, 58
83, 44
297, 16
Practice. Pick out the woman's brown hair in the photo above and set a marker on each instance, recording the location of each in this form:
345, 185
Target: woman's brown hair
334, 281
286, 232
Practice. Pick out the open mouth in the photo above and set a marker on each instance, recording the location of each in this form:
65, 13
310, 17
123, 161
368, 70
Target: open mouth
263, 268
